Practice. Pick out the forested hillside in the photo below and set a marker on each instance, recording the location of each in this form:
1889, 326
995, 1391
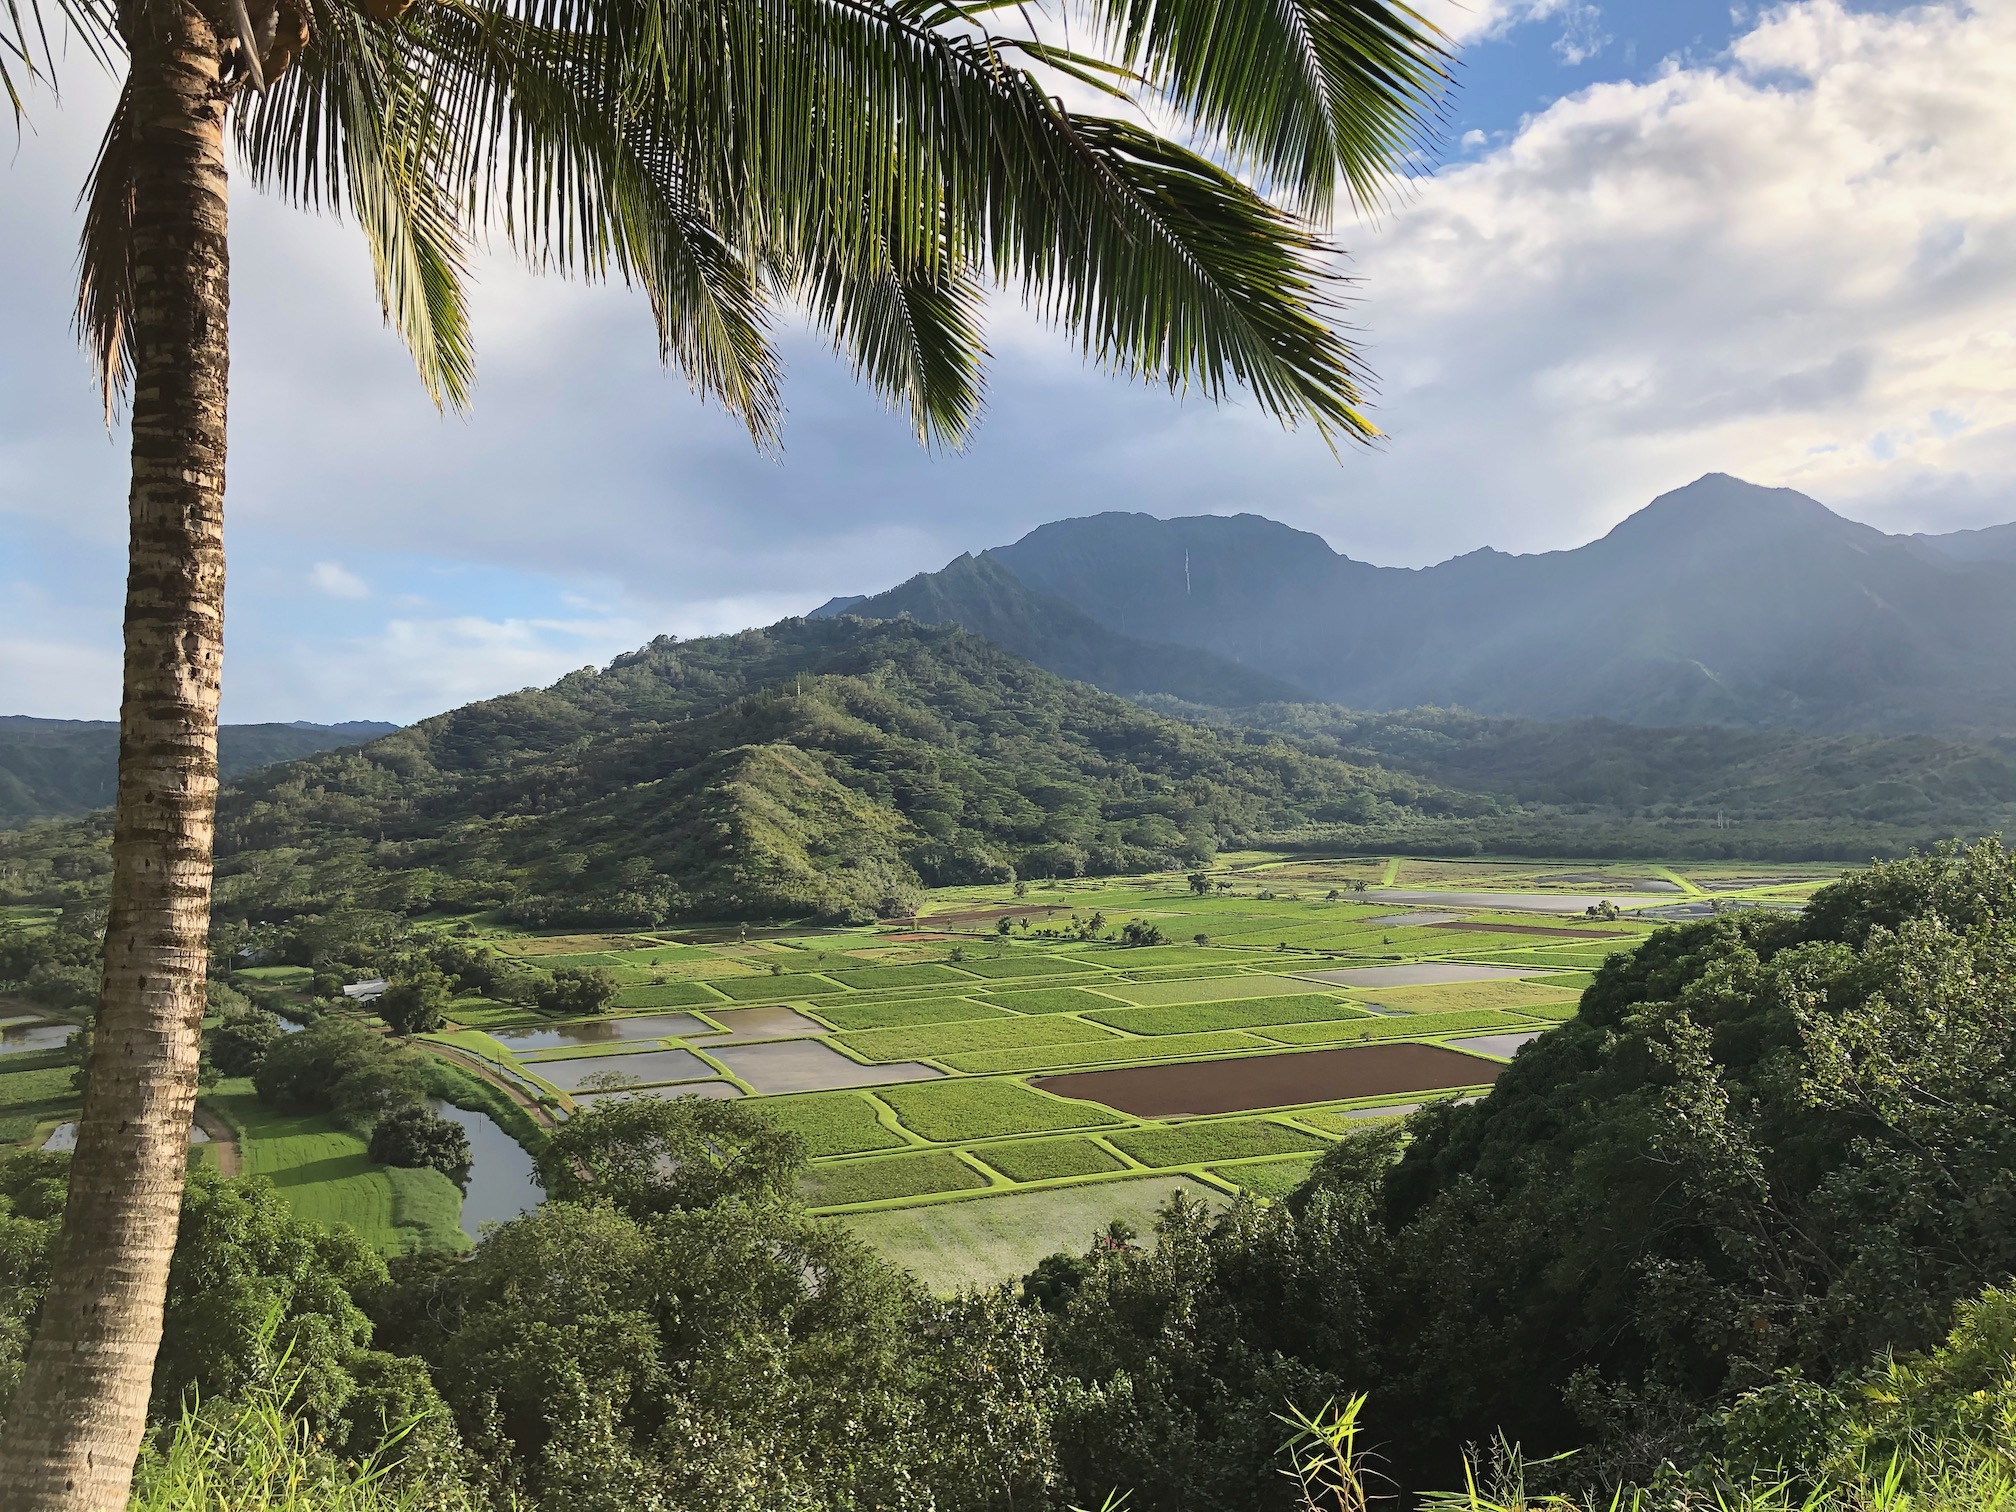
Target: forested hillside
1749, 781
821, 769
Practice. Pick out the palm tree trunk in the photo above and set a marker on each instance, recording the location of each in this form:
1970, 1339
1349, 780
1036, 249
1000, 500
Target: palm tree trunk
80, 1411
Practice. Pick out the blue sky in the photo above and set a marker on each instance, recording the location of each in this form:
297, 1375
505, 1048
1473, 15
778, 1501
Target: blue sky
1665, 238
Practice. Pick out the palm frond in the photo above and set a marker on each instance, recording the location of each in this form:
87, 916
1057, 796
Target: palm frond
356, 120
1306, 94
914, 334
26, 54
104, 316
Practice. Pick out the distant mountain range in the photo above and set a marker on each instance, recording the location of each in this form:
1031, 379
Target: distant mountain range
1720, 603
52, 767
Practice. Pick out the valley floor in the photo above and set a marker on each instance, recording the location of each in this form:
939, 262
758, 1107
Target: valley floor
1000, 1076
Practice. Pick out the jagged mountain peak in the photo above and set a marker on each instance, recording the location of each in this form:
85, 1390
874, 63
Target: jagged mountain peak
1722, 601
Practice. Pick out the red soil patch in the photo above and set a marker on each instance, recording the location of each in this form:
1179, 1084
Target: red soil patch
1538, 929
1274, 1081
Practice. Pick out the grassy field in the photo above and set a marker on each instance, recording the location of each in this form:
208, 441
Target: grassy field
993, 1239
327, 1178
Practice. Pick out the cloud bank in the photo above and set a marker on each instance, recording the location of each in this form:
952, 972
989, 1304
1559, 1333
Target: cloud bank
1791, 261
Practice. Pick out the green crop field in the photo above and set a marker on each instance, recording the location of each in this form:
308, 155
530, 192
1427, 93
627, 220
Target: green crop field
834, 1123
668, 995
997, 1238
847, 1014
1207, 990
765, 987
1202, 1143
1029, 965
827, 1042
981, 1034
1191, 1018
1050, 1159
950, 1111
1458, 997
923, 975
1413, 1026
1051, 1000
1104, 1052
846, 1182
1270, 1178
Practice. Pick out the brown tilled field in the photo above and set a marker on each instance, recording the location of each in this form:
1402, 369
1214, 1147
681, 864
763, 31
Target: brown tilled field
1274, 1081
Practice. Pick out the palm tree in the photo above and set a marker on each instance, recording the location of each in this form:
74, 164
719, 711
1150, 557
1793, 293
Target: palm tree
878, 163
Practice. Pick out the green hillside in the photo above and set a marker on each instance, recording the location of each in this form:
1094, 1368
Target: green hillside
814, 769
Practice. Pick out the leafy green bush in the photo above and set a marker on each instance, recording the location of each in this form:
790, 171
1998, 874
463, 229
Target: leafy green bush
577, 991
961, 1110
261, 1455
416, 1137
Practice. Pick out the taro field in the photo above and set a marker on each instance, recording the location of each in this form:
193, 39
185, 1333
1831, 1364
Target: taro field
978, 1083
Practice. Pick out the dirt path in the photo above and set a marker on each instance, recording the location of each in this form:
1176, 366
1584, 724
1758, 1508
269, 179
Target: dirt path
541, 1115
229, 1159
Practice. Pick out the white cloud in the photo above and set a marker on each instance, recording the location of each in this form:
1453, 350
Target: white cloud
1796, 266
1793, 262
338, 581
409, 668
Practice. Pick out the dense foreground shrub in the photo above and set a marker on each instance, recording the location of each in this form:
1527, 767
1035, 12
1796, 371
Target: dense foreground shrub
1765, 1145
259, 1457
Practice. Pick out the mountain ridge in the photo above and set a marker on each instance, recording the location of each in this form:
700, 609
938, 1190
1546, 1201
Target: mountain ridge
1721, 603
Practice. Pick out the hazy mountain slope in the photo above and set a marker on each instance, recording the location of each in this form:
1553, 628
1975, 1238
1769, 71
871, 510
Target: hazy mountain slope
815, 768
1719, 603
51, 767
1696, 772
991, 601
1996, 543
